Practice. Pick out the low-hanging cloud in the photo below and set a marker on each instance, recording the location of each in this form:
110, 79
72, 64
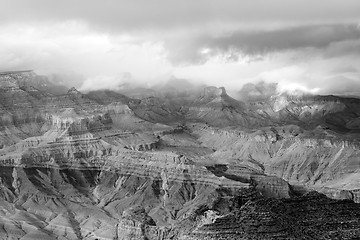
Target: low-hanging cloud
72, 47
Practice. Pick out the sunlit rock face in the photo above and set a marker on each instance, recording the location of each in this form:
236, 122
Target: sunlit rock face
102, 165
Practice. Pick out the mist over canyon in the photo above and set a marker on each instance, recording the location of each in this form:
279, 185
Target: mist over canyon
176, 161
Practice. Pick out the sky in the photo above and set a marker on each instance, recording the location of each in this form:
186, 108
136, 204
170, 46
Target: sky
306, 45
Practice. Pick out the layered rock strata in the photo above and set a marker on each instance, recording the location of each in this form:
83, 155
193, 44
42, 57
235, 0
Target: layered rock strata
105, 166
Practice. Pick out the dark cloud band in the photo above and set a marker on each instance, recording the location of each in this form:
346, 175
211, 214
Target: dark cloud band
263, 42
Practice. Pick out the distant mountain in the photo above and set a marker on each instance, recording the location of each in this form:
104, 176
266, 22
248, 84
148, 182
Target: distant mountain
216, 108
26, 79
261, 91
107, 97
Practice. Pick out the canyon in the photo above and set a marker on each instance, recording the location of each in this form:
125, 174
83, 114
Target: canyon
176, 164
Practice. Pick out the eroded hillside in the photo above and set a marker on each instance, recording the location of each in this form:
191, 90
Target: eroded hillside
103, 165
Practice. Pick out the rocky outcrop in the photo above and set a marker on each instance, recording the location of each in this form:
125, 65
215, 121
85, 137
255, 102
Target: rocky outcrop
78, 122
28, 80
104, 166
136, 224
77, 169
157, 110
106, 97
325, 164
26, 111
312, 216
216, 108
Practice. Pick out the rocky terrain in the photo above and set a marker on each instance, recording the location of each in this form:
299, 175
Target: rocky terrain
176, 164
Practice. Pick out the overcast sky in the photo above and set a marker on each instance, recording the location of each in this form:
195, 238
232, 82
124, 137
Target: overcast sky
304, 45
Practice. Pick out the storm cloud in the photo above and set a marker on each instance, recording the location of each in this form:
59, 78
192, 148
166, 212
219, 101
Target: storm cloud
257, 43
159, 14
308, 45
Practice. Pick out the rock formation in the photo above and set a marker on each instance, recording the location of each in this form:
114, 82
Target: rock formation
204, 166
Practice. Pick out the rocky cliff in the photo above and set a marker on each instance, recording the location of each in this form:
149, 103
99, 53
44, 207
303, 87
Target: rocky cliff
105, 166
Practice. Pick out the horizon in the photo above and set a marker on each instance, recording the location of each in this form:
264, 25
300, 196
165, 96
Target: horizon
163, 88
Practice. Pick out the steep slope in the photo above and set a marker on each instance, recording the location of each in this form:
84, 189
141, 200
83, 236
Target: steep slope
324, 162
106, 97
86, 184
335, 113
29, 79
20, 114
158, 110
217, 108
105, 166
340, 114
97, 160
312, 216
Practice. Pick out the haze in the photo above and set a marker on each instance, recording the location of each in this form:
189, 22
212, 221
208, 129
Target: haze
312, 46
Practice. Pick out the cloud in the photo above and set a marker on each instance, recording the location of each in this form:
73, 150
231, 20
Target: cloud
317, 36
339, 76
122, 15
107, 82
311, 45
262, 42
74, 47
